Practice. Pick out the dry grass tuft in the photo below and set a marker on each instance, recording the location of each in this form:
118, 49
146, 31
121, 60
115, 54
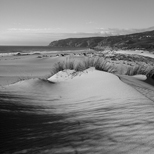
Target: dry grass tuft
140, 69
81, 65
100, 64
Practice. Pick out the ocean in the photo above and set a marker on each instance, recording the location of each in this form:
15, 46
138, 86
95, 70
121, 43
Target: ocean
11, 50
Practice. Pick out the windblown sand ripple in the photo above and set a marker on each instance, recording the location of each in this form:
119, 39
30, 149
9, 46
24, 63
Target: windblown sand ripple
93, 112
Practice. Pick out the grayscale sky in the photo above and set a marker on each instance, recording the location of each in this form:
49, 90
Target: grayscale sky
38, 22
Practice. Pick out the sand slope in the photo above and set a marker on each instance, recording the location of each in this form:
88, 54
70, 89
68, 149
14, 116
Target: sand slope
73, 112
110, 116
82, 85
141, 84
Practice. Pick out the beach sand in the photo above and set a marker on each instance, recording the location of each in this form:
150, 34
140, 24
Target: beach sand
137, 52
73, 112
16, 68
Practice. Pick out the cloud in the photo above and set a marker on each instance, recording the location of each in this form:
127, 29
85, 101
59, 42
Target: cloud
34, 30
116, 31
102, 32
43, 36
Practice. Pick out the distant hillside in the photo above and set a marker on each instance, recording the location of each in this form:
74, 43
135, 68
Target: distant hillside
143, 41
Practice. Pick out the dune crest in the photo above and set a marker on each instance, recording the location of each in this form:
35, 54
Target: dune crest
90, 112
68, 74
79, 85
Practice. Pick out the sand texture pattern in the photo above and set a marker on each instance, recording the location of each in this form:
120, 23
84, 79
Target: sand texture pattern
91, 112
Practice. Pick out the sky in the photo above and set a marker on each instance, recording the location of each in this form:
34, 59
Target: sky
38, 22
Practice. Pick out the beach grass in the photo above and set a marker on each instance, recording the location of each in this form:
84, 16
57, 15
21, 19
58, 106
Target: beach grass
80, 65
100, 63
140, 69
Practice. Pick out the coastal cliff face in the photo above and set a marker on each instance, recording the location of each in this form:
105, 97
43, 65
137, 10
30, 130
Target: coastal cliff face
142, 41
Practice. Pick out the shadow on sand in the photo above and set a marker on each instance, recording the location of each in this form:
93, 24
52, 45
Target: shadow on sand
95, 126
30, 129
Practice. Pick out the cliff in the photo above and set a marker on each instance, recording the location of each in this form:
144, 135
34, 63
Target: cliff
143, 41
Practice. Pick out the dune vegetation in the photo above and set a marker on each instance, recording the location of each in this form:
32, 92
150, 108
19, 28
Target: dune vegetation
80, 65
140, 69
100, 63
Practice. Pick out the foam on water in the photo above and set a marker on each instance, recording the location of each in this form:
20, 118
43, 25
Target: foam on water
28, 53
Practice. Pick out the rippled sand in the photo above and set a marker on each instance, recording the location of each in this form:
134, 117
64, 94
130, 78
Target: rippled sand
87, 113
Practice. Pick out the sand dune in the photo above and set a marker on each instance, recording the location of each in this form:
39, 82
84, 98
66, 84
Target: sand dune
100, 114
82, 84
73, 112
